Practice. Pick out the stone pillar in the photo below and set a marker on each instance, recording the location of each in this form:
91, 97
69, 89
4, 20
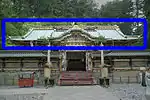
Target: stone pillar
60, 63
89, 62
64, 65
86, 55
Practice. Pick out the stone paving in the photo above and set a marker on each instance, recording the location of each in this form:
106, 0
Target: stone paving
14, 93
128, 91
80, 93
115, 92
57, 93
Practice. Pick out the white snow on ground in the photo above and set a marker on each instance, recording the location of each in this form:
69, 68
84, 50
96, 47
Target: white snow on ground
114, 92
128, 91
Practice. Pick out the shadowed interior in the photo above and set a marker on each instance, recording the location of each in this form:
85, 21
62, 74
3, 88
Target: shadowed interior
76, 61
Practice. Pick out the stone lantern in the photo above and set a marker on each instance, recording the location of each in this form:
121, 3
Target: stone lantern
47, 70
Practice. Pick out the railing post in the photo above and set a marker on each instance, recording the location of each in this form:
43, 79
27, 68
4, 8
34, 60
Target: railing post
13, 81
128, 79
4, 81
37, 80
120, 80
137, 80
112, 78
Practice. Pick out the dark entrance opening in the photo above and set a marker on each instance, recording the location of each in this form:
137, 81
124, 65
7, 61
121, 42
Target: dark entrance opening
76, 65
76, 61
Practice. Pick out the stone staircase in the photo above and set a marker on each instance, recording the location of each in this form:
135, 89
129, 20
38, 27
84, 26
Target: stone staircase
76, 78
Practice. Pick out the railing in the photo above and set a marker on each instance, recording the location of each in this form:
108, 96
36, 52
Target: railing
76, 75
55, 73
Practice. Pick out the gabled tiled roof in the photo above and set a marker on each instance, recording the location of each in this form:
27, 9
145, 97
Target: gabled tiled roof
108, 32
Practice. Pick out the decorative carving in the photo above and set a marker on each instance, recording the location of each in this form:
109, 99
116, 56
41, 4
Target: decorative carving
75, 39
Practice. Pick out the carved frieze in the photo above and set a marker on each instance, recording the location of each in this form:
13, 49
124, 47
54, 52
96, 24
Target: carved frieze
76, 38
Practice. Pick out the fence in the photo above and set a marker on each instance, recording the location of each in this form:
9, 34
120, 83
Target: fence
7, 79
11, 78
125, 79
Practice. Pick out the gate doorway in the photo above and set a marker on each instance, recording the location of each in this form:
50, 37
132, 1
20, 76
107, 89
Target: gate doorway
76, 61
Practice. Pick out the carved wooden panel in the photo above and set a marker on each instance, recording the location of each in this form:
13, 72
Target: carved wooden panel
75, 38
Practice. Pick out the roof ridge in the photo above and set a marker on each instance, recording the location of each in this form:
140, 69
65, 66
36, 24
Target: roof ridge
43, 27
120, 32
102, 27
28, 33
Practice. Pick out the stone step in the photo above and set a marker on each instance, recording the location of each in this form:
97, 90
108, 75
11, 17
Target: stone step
76, 78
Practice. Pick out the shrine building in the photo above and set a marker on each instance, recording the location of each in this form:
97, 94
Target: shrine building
74, 60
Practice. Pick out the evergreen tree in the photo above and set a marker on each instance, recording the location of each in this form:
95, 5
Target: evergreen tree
44, 8
119, 9
147, 14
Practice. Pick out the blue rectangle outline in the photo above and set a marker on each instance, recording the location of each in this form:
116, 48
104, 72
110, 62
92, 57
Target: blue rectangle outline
143, 20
